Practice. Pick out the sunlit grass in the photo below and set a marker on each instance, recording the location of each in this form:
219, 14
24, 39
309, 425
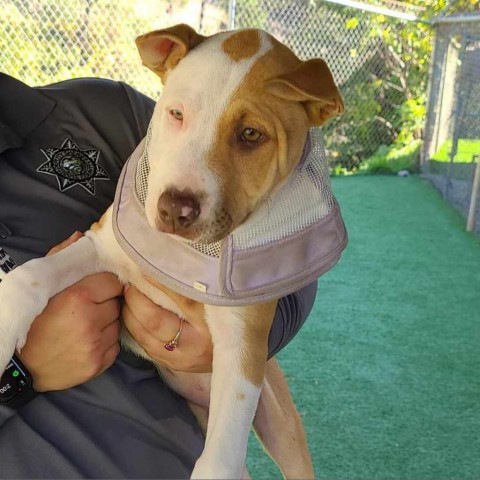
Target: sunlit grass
466, 151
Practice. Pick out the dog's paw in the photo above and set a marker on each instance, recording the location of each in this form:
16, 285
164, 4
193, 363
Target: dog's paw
205, 469
7, 349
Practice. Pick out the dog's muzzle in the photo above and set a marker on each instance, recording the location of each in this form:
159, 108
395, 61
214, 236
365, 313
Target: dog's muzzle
282, 247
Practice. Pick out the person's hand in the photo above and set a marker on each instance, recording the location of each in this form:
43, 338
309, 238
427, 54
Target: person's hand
76, 336
152, 326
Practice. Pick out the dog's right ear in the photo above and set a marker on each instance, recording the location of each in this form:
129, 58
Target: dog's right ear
161, 50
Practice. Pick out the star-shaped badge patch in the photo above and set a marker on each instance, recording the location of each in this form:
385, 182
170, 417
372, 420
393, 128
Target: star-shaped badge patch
73, 166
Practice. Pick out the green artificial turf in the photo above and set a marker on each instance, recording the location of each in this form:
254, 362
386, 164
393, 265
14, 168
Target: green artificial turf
386, 371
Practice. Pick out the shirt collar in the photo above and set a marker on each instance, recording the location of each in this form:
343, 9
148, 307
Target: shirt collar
22, 108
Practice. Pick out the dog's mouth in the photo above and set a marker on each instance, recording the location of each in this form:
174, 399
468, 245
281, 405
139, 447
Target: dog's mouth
201, 233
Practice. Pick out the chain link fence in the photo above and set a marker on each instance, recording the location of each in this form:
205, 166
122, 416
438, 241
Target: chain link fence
451, 147
46, 41
43, 41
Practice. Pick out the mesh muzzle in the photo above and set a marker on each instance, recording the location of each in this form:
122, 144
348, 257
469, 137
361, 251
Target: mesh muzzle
294, 237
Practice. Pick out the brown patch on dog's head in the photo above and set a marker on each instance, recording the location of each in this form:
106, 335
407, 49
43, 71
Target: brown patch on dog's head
280, 98
242, 44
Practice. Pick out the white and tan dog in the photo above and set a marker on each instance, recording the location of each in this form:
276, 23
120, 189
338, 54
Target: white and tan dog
230, 125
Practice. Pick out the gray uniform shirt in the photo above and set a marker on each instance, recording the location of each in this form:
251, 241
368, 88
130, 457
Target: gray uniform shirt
61, 151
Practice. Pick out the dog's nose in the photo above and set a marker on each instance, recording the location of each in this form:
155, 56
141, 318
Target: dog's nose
176, 210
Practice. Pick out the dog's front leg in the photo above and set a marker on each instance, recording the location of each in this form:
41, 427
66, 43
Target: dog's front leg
25, 291
279, 426
240, 337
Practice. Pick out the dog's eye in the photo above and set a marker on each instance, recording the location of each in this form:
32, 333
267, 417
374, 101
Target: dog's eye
251, 135
175, 113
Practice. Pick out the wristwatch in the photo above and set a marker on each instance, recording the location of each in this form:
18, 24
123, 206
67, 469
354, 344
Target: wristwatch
16, 385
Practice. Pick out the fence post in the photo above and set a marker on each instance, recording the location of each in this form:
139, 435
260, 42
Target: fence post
231, 14
472, 212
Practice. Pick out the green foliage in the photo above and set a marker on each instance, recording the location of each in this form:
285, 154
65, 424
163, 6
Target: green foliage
386, 97
434, 7
412, 114
403, 153
393, 158
409, 49
467, 150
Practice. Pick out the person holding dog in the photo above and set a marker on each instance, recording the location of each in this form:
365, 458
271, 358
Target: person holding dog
98, 411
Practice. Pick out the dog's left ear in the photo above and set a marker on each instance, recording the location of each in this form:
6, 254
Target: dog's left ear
311, 84
161, 50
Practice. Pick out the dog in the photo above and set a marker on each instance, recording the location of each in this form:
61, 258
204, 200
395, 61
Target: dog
229, 127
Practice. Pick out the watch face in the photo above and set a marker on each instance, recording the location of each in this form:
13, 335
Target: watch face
15, 382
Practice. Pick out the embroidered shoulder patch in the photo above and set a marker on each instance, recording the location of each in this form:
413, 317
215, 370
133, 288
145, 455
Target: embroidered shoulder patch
73, 166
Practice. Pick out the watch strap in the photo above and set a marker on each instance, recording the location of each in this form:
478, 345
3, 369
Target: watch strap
16, 386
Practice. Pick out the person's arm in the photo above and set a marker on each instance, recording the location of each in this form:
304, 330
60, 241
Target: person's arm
151, 326
76, 337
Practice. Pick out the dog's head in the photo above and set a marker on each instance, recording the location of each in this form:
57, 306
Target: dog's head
230, 125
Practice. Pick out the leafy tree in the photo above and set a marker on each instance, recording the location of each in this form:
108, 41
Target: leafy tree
394, 98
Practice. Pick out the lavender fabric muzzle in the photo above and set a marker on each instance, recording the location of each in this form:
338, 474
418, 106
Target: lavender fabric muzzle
283, 246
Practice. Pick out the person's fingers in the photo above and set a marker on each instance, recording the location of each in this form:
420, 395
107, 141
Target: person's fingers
183, 358
152, 326
99, 287
106, 313
106, 351
155, 320
109, 357
111, 333
138, 331
195, 348
143, 306
71, 239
